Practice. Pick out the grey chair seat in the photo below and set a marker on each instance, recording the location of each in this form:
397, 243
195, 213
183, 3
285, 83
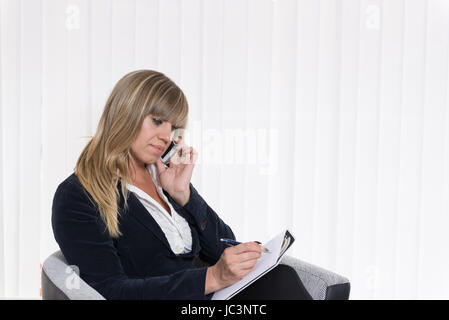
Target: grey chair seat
62, 282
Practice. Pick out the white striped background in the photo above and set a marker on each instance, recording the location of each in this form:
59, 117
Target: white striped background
355, 90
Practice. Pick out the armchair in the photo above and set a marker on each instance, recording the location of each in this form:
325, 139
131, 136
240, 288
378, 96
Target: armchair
61, 282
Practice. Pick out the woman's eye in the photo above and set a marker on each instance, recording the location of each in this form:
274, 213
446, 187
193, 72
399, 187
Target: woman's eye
157, 121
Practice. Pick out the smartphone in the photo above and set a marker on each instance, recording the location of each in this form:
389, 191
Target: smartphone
170, 152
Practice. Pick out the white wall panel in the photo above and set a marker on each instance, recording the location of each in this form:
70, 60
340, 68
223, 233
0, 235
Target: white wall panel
123, 38
328, 117
409, 186
11, 95
54, 113
327, 107
191, 80
30, 147
260, 20
170, 38
433, 262
211, 100
78, 71
366, 146
282, 108
146, 35
389, 142
2, 220
303, 163
445, 207
101, 58
348, 82
233, 119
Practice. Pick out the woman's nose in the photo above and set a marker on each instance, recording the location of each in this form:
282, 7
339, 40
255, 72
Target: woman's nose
165, 132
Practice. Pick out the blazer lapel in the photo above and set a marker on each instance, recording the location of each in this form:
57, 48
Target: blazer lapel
190, 221
137, 210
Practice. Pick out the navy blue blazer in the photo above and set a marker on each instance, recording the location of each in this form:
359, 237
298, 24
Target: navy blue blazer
139, 264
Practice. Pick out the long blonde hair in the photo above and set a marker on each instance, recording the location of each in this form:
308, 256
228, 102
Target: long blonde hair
105, 161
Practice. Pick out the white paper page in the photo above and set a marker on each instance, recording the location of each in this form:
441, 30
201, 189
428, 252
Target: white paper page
266, 261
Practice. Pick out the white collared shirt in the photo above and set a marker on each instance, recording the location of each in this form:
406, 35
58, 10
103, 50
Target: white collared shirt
175, 227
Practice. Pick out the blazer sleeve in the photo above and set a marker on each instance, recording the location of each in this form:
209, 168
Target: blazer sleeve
208, 224
85, 242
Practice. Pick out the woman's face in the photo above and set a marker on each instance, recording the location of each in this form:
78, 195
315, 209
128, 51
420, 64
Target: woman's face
152, 141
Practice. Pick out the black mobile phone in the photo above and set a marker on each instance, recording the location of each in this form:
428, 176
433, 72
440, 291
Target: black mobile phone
170, 152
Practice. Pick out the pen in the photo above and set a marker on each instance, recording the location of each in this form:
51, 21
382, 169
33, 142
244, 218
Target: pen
231, 242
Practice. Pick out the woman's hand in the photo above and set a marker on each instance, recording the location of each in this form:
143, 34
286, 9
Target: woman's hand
235, 263
176, 179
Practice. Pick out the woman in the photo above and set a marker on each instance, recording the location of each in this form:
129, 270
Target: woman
132, 225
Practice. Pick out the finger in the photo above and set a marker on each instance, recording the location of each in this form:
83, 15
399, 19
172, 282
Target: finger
183, 156
247, 246
178, 134
174, 161
176, 158
160, 166
249, 256
194, 155
247, 265
178, 139
241, 248
186, 155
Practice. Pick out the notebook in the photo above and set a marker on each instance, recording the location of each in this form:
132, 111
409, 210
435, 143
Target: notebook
277, 247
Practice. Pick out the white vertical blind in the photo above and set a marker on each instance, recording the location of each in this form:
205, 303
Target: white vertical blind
29, 148
211, 71
2, 220
100, 44
327, 117
410, 148
258, 95
10, 38
54, 126
388, 145
432, 228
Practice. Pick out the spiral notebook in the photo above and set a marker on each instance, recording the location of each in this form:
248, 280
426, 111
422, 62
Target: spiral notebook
277, 247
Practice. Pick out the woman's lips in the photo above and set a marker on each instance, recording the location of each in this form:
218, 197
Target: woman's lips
158, 149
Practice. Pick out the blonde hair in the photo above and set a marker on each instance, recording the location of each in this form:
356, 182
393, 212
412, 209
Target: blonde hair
105, 161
